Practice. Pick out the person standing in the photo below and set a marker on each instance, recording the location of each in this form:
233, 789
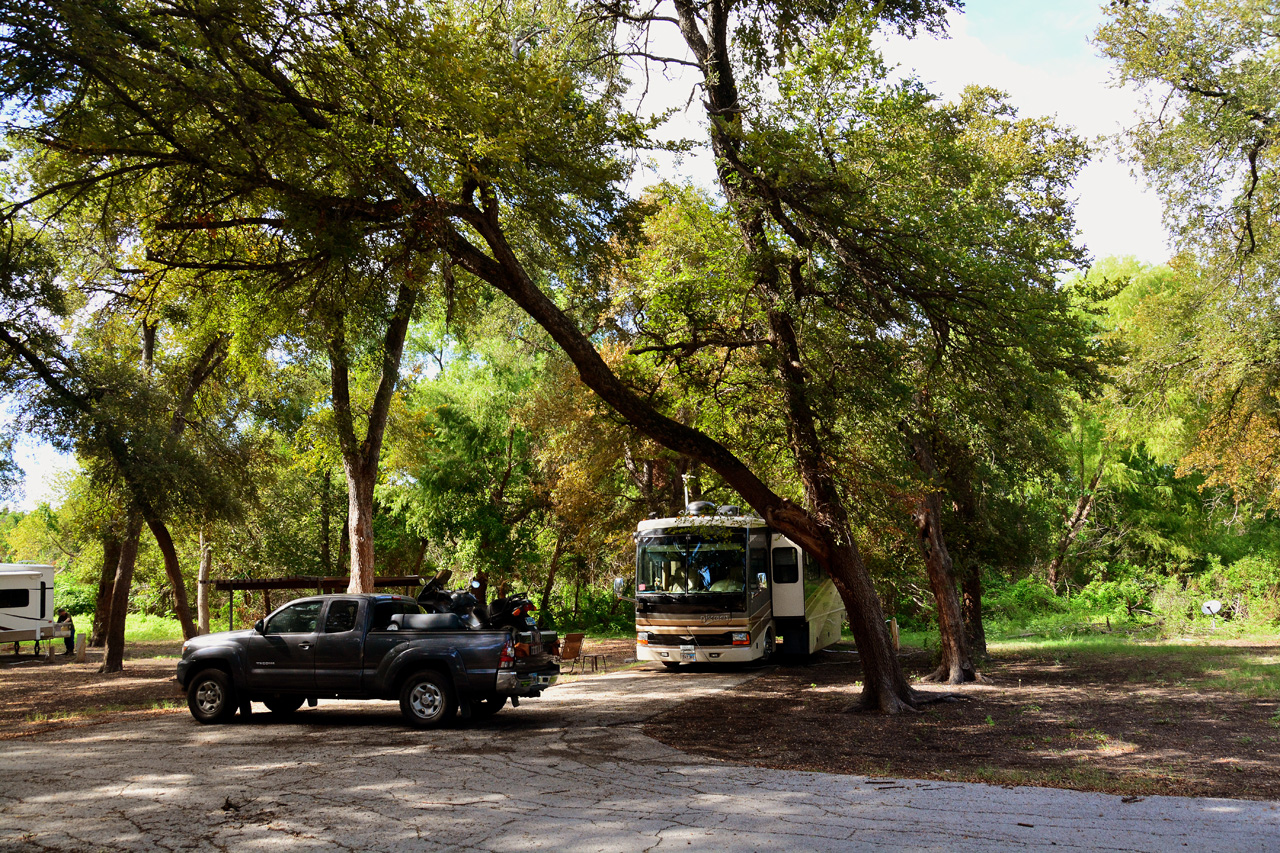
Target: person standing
64, 618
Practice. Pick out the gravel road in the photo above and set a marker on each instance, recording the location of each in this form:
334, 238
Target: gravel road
568, 772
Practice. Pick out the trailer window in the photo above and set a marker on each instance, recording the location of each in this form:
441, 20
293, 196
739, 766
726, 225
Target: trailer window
13, 598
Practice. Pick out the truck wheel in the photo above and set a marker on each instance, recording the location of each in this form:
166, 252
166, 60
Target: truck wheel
426, 700
283, 706
485, 707
211, 698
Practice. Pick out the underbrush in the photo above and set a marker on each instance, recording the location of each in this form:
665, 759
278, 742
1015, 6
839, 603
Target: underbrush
143, 628
1143, 602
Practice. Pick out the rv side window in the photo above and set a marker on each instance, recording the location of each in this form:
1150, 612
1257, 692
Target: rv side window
786, 566
15, 598
813, 572
757, 563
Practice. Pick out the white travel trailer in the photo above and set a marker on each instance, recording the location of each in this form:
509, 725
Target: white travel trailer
26, 603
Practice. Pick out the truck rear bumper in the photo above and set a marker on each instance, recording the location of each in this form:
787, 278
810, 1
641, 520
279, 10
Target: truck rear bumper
512, 683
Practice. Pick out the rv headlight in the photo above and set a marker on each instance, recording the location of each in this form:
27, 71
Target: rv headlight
741, 638
643, 638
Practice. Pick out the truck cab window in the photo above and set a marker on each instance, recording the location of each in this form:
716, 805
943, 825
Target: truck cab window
298, 618
341, 617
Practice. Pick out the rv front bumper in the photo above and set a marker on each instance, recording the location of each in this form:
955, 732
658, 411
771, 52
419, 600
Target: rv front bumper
698, 654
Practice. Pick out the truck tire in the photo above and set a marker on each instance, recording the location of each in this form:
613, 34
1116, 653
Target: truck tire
211, 697
283, 706
427, 699
484, 707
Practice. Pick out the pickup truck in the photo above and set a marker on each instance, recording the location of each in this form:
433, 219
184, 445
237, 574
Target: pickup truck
365, 647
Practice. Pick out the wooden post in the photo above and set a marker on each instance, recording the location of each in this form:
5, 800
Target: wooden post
893, 632
81, 647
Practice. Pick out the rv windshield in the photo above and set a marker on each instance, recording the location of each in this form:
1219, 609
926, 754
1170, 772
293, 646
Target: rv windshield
692, 561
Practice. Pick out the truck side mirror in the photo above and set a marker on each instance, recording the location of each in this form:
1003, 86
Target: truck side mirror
260, 626
619, 587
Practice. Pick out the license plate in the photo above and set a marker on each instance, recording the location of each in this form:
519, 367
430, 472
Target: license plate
688, 653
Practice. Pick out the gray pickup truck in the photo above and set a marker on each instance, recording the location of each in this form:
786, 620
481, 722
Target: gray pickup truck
365, 647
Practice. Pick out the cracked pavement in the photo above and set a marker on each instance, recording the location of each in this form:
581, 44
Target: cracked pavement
568, 772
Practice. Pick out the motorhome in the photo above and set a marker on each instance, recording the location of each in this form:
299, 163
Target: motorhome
716, 585
26, 603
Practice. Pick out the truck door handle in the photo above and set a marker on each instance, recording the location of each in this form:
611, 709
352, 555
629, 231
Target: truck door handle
304, 646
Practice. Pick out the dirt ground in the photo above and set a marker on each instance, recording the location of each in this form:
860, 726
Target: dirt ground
41, 693
1127, 724
1130, 725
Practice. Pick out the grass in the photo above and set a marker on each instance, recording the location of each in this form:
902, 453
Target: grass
162, 705
1233, 669
141, 628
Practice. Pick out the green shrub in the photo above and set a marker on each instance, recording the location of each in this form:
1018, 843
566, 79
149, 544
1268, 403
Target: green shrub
1021, 600
1111, 597
599, 613
78, 599
144, 628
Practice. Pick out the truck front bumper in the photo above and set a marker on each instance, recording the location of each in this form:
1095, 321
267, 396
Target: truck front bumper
511, 683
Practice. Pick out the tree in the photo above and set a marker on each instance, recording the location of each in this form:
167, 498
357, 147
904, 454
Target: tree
286, 142
1207, 142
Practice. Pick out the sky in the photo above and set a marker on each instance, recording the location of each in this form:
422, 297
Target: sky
1037, 51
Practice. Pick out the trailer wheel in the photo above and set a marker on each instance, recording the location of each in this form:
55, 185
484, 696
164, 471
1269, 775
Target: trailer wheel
211, 697
482, 708
427, 700
283, 706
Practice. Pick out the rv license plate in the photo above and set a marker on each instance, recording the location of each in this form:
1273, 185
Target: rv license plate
688, 653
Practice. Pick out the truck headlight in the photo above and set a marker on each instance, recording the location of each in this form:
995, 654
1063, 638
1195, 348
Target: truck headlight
741, 638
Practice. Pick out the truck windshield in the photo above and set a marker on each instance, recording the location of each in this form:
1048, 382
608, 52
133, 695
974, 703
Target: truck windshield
692, 561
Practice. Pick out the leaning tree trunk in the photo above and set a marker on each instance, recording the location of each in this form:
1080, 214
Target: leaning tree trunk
113, 661
545, 603
956, 666
173, 570
106, 580
1074, 523
202, 583
824, 531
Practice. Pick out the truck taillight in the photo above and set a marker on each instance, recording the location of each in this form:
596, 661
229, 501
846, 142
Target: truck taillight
508, 657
